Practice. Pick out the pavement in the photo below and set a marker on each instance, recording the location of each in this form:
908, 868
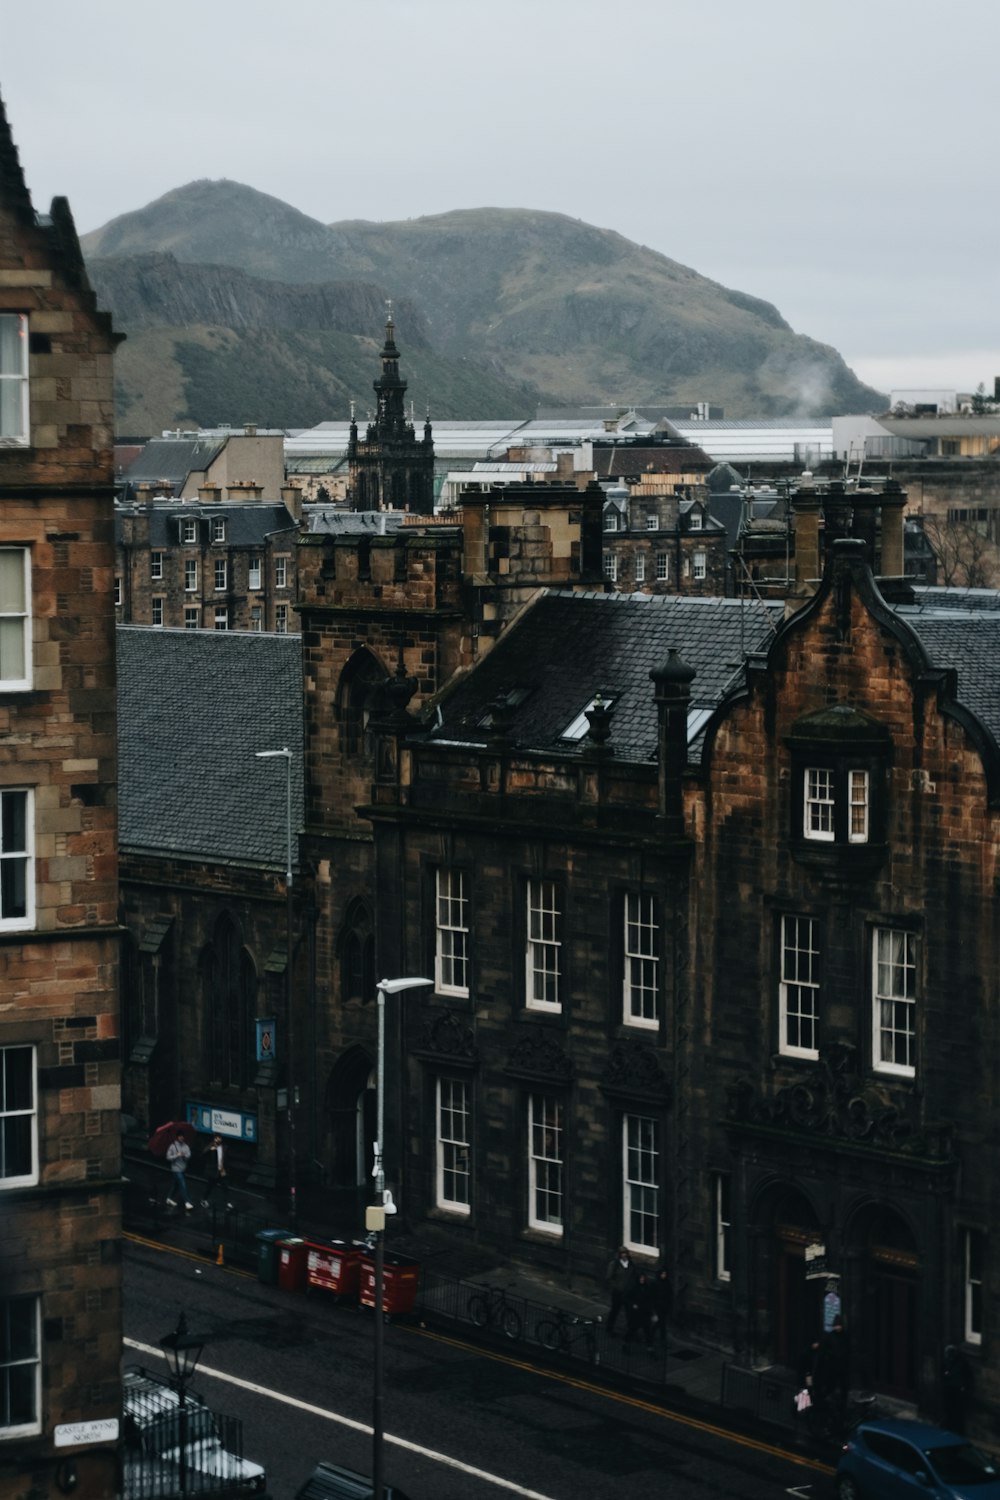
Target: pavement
685, 1375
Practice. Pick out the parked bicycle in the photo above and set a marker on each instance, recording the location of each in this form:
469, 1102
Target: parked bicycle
562, 1330
490, 1305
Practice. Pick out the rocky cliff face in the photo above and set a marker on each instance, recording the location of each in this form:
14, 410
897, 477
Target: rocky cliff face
518, 305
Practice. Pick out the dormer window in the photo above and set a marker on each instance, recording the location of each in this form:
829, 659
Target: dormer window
189, 531
840, 758
218, 529
695, 520
652, 521
611, 519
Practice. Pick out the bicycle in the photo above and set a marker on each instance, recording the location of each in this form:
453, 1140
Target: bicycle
490, 1305
562, 1330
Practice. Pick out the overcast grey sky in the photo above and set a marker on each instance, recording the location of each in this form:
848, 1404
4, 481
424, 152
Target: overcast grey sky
836, 157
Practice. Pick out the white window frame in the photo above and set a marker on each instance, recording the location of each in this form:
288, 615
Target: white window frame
156, 566
722, 1203
611, 518
190, 575
218, 528
220, 574
192, 617
546, 1167
256, 618
25, 855
798, 988
640, 567
858, 803
14, 385
221, 617
281, 572
652, 520
641, 1183
254, 573
695, 521
699, 569
894, 1000
15, 622
33, 1360
973, 1262
22, 1112
610, 565
156, 610
189, 532
543, 955
641, 969
453, 1146
663, 567
451, 932
819, 804
281, 619
118, 590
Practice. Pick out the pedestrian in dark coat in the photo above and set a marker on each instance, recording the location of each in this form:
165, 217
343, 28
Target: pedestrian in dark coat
619, 1277
215, 1169
639, 1310
663, 1301
956, 1385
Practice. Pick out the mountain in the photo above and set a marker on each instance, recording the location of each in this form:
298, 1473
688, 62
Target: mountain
530, 305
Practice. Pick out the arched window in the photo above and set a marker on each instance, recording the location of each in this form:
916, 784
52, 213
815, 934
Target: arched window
357, 955
358, 681
229, 988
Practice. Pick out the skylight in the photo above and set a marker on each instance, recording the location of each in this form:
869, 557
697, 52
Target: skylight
581, 724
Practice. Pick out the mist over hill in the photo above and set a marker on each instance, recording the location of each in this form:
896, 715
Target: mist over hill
496, 309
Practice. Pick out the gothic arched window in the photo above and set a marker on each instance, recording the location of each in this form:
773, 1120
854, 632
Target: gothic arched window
229, 987
357, 955
355, 694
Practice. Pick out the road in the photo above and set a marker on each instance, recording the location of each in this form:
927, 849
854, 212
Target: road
461, 1424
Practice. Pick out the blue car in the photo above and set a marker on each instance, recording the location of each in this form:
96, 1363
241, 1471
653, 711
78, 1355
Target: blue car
900, 1460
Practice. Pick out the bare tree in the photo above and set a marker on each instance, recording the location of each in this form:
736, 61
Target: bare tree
966, 557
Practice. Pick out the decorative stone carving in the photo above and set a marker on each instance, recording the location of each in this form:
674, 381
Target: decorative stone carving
446, 1036
633, 1068
539, 1055
835, 1102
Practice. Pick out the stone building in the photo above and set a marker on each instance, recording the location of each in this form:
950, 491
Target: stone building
706, 890
60, 1145
390, 468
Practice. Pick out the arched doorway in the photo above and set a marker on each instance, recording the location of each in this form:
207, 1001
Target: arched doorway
884, 1336
349, 1109
789, 1307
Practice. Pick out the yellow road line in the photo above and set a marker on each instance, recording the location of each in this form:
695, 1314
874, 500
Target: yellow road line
696, 1424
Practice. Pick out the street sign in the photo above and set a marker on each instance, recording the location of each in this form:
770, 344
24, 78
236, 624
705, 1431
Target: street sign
76, 1434
207, 1119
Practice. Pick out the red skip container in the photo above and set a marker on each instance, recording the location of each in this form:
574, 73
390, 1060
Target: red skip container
400, 1278
334, 1265
292, 1264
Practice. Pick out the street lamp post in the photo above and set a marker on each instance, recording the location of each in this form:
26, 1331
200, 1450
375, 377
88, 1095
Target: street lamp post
183, 1351
375, 1224
286, 755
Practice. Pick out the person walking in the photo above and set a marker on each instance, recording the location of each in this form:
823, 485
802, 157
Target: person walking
639, 1310
215, 1169
663, 1301
956, 1384
619, 1278
178, 1155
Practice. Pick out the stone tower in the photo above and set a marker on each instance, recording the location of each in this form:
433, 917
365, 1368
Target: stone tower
391, 468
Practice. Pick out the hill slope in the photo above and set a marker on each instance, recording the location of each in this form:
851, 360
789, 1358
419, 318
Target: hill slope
576, 313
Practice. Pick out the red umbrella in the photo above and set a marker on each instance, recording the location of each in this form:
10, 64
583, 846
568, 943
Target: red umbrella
162, 1137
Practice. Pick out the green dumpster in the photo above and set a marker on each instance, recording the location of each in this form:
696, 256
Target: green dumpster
267, 1254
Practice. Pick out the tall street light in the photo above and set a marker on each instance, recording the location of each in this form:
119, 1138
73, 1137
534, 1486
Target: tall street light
286, 755
375, 1224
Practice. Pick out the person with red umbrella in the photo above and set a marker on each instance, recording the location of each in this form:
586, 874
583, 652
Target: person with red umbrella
178, 1155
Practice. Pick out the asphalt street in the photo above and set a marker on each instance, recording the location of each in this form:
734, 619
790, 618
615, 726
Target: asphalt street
461, 1423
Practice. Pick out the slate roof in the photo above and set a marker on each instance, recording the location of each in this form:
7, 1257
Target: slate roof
248, 523
568, 647
969, 642
174, 459
193, 707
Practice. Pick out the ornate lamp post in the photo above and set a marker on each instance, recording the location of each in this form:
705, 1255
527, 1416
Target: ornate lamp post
183, 1351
